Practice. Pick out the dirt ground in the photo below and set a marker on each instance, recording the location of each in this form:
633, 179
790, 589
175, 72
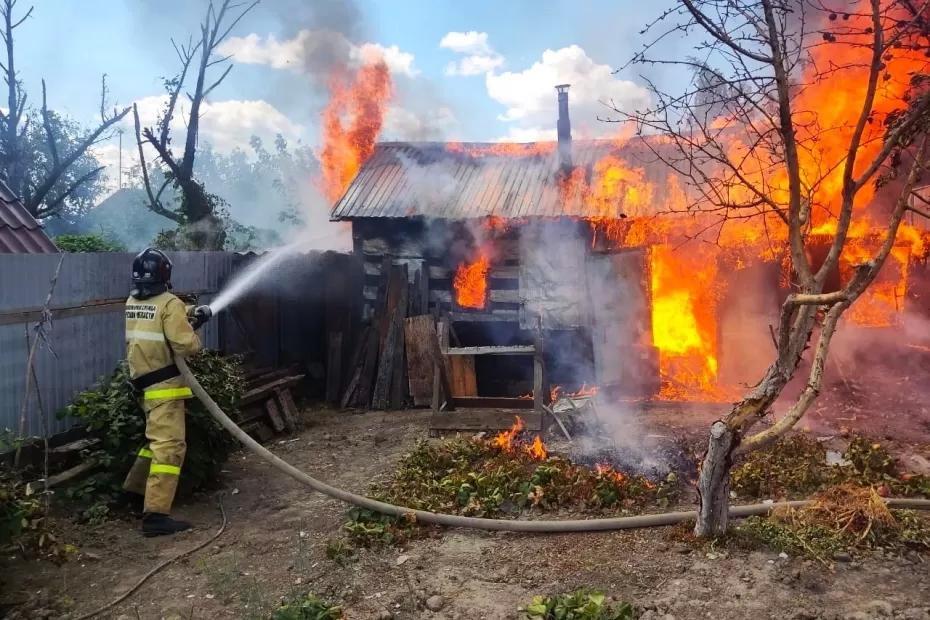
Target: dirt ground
276, 540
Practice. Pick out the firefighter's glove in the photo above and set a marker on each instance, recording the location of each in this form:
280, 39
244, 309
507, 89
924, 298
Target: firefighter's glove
199, 316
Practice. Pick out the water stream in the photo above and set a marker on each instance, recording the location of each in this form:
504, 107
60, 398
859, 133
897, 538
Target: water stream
257, 271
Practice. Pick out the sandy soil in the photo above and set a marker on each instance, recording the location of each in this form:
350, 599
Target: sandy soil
275, 546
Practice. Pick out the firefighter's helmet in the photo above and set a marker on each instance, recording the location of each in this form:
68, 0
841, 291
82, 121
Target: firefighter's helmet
151, 268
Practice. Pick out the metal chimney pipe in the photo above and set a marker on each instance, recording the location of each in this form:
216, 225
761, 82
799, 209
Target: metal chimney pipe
564, 127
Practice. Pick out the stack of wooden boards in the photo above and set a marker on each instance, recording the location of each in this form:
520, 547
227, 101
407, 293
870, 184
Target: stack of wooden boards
378, 376
267, 407
396, 355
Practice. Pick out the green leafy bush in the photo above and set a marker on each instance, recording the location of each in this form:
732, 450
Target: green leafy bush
476, 477
580, 605
841, 517
20, 509
796, 466
112, 412
24, 525
309, 607
88, 243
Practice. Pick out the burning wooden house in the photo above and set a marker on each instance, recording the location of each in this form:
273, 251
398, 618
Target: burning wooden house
584, 244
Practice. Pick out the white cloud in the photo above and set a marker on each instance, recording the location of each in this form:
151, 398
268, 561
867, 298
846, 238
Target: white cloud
530, 99
251, 50
300, 52
470, 42
479, 58
225, 125
529, 134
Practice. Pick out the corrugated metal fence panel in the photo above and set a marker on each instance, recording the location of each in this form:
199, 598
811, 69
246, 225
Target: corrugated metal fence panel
81, 348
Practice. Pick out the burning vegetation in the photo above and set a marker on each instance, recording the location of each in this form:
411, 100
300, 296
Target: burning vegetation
502, 476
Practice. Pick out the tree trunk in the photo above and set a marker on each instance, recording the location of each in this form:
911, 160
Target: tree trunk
714, 482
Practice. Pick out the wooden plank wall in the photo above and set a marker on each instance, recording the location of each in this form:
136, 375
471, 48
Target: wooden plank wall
428, 267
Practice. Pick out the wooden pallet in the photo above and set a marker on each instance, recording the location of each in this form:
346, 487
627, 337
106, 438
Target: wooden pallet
487, 420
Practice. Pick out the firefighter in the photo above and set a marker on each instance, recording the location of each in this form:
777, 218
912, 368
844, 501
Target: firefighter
158, 327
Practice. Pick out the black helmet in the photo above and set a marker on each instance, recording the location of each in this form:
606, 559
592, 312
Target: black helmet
151, 273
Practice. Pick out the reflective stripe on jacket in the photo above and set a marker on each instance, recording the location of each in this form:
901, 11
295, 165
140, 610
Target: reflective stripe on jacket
156, 329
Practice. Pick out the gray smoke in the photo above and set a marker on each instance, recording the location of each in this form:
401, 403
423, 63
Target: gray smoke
567, 287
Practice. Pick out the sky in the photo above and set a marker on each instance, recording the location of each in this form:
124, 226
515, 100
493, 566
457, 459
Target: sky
482, 70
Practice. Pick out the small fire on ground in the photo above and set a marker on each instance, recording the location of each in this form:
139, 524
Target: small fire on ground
509, 441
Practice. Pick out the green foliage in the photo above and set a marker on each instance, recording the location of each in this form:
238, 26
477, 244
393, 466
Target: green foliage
20, 509
871, 461
841, 517
475, 477
87, 243
580, 605
309, 607
796, 466
339, 551
802, 539
112, 412
23, 522
37, 160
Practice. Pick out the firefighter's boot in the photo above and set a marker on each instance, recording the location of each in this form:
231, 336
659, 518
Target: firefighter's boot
156, 524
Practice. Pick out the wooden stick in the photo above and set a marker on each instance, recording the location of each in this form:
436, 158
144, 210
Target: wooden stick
30, 360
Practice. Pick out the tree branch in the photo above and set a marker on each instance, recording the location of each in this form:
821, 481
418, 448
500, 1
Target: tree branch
721, 35
49, 134
55, 174
52, 206
154, 200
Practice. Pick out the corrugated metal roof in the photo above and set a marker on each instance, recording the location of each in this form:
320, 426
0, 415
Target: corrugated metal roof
472, 180
19, 231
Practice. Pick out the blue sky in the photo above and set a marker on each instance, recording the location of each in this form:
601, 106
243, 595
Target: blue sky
491, 81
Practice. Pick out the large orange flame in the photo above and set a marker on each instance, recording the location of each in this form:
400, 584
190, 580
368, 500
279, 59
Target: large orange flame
352, 121
471, 283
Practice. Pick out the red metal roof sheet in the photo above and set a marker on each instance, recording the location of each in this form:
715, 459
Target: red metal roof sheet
20, 233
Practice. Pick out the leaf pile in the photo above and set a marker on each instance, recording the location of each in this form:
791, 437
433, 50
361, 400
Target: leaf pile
23, 523
112, 412
475, 477
580, 605
842, 517
310, 607
796, 466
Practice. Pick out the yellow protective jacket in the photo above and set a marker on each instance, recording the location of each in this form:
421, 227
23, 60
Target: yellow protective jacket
157, 329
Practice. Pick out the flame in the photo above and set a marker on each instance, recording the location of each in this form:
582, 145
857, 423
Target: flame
690, 253
352, 121
537, 450
471, 283
504, 440
684, 322
556, 391
605, 470
508, 441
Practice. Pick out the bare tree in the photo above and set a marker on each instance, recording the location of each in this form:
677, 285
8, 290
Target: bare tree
197, 215
748, 147
37, 194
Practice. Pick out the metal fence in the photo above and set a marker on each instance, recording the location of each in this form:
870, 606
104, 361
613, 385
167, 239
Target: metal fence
86, 335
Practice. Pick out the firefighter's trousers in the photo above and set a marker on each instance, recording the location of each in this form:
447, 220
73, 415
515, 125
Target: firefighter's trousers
158, 464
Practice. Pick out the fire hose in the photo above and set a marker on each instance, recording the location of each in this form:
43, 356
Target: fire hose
508, 525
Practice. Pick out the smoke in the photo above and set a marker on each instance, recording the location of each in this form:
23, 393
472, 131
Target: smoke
567, 287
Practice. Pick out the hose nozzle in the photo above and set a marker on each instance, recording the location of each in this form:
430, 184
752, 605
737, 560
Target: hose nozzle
200, 315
